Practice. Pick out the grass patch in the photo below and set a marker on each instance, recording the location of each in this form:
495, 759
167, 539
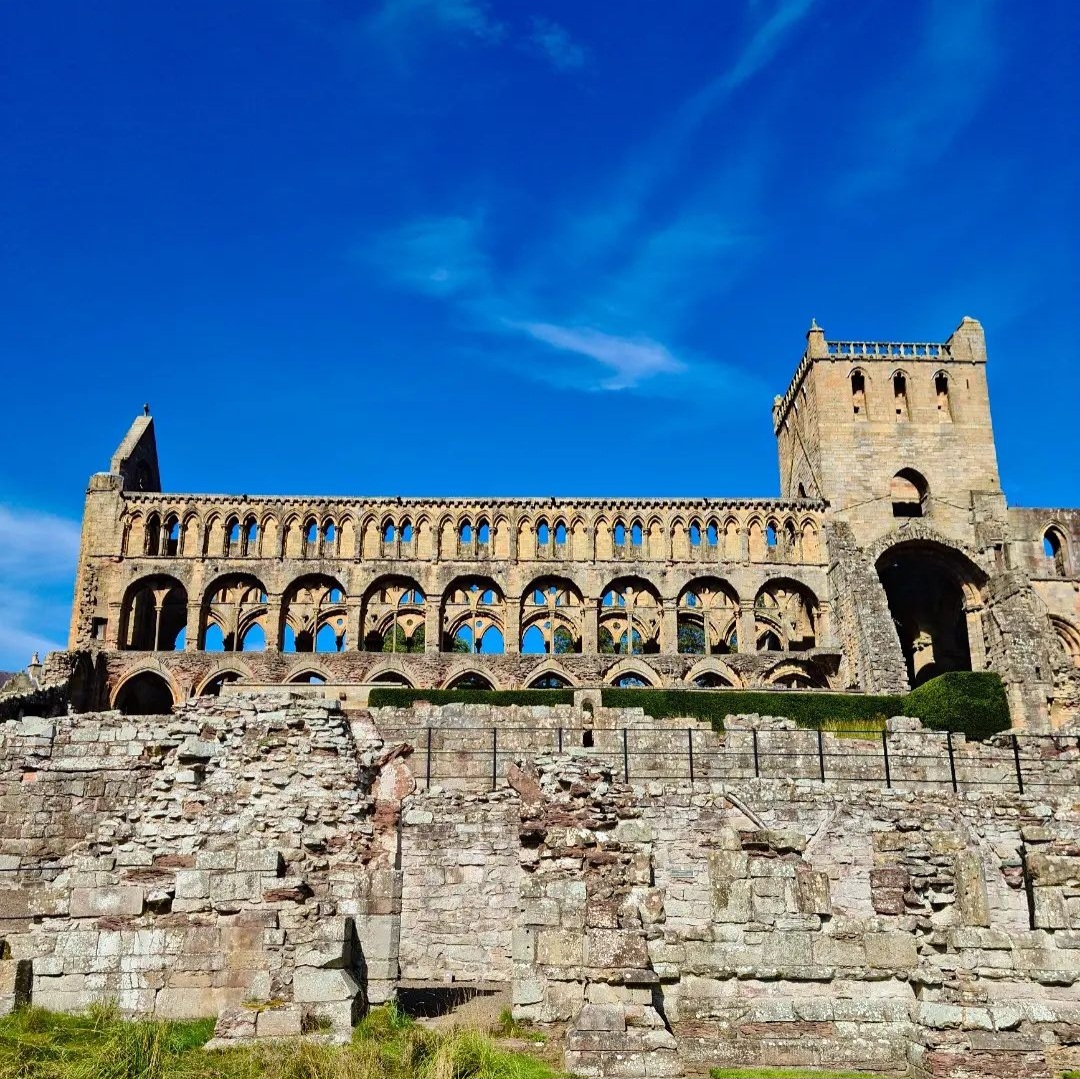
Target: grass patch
386, 1044
794, 1073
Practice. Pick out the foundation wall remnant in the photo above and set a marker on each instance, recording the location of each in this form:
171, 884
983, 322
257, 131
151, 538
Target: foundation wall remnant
272, 850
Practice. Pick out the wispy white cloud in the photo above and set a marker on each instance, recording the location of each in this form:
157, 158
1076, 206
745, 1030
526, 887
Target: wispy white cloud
37, 562
440, 256
556, 44
471, 18
631, 359
916, 116
601, 296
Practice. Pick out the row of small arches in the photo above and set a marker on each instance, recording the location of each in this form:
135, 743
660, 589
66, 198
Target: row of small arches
149, 692
759, 537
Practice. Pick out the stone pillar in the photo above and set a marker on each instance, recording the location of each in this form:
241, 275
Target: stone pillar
432, 624
669, 628
191, 629
354, 626
512, 627
976, 640
273, 622
590, 616
747, 636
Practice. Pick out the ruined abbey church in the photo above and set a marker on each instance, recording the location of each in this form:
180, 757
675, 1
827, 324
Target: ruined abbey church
207, 809
890, 556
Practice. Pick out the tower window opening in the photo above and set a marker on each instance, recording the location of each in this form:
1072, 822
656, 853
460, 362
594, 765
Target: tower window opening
1054, 551
858, 393
941, 390
900, 398
908, 492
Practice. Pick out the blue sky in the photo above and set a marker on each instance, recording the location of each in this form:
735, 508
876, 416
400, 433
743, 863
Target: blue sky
484, 247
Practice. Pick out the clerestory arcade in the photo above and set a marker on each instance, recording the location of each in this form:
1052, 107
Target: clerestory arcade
890, 557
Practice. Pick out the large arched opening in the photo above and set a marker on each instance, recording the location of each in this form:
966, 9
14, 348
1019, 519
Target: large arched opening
935, 595
144, 694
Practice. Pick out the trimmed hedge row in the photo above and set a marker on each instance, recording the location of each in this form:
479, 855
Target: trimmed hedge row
400, 697
806, 709
971, 702
968, 702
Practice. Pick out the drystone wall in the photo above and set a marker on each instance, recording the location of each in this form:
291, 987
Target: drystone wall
278, 863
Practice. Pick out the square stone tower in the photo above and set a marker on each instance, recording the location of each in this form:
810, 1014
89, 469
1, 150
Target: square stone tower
887, 430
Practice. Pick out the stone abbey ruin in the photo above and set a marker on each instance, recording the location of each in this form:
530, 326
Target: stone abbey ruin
222, 800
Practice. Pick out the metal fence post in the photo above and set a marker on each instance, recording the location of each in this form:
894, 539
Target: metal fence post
625, 756
690, 746
952, 761
1019, 774
494, 757
821, 753
757, 760
560, 739
427, 769
885, 751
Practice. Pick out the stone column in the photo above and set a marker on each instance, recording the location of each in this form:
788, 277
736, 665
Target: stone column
976, 641
669, 628
590, 615
273, 622
747, 636
354, 627
512, 627
432, 625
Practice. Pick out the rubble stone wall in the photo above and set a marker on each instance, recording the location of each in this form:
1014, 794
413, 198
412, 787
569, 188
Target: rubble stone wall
274, 861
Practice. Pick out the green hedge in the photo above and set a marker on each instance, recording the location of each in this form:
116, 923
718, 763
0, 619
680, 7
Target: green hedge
973, 702
968, 702
400, 697
806, 709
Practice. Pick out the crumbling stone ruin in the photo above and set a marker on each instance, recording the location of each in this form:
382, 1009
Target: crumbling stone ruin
200, 813
271, 859
890, 556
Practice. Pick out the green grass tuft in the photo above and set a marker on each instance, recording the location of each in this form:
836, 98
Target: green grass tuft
387, 1044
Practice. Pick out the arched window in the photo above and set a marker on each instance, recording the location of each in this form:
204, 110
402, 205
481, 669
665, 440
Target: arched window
549, 681
329, 539
1055, 552
543, 534
900, 397
695, 534
711, 680
152, 544
636, 536
618, 535
909, 493
770, 535
314, 616
483, 534
311, 539
465, 531
941, 392
232, 538
251, 537
214, 686
470, 680
234, 615
153, 616
712, 535
172, 536
631, 680
389, 532
406, 531
707, 617
146, 694
629, 617
473, 614
551, 617
858, 394
785, 617
560, 535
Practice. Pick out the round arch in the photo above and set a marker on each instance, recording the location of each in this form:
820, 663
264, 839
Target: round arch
935, 596
211, 685
712, 668
794, 675
153, 614
308, 675
551, 669
146, 691
629, 668
470, 678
